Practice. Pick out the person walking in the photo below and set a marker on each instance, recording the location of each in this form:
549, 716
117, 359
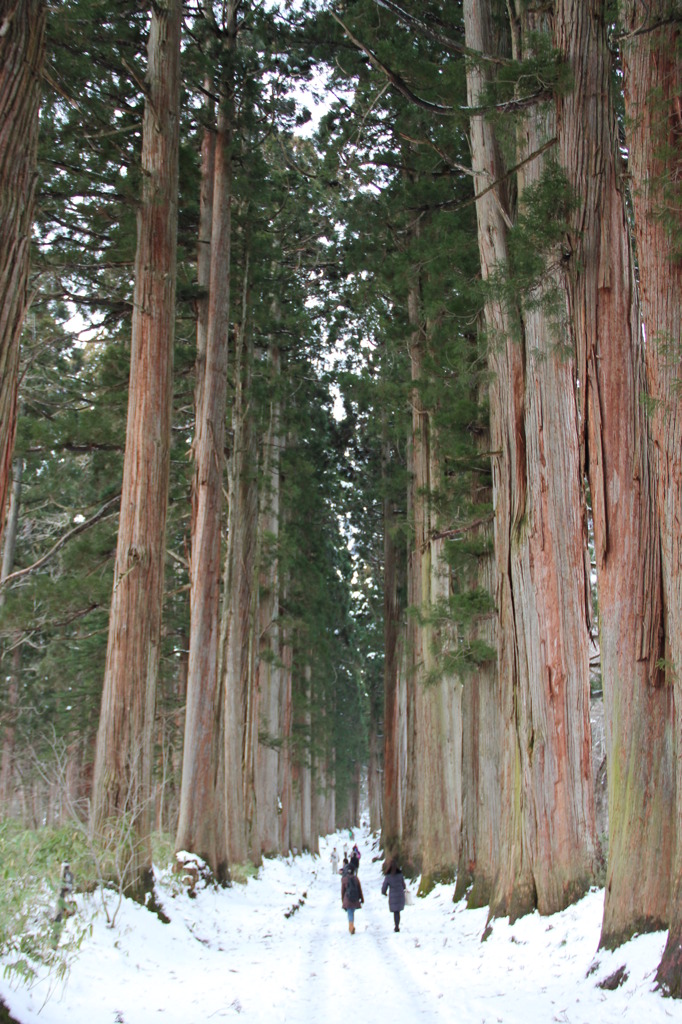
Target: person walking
352, 897
394, 885
335, 862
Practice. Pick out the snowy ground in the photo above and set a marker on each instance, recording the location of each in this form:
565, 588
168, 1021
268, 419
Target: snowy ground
241, 953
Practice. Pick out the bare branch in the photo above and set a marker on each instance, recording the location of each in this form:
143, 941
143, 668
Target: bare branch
103, 513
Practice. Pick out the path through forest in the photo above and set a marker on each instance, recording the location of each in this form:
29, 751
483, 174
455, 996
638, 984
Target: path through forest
376, 971
277, 951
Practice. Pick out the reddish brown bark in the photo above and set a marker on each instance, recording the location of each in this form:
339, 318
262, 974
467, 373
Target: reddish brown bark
547, 832
513, 891
122, 781
199, 818
22, 52
652, 76
614, 430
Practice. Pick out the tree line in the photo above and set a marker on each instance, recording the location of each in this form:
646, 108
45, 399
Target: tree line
366, 463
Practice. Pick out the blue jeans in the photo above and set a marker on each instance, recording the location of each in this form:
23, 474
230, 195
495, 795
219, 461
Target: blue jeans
351, 914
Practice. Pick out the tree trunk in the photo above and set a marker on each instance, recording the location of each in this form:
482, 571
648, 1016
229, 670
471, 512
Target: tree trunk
240, 610
10, 710
480, 842
549, 849
438, 722
284, 787
652, 77
304, 789
374, 772
197, 827
269, 670
513, 891
550, 574
22, 53
614, 434
412, 757
122, 780
394, 643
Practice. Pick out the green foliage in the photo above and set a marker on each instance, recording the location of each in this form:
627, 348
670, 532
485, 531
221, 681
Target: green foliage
542, 72
537, 246
31, 940
240, 874
397, 186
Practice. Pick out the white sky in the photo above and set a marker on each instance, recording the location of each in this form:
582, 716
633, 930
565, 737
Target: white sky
233, 955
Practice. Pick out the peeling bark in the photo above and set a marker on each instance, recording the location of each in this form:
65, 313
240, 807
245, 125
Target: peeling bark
122, 779
652, 77
22, 54
198, 824
549, 850
614, 435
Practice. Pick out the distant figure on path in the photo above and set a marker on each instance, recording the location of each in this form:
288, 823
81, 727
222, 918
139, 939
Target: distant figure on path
335, 862
394, 885
345, 866
351, 897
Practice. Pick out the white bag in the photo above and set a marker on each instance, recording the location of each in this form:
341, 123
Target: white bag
409, 898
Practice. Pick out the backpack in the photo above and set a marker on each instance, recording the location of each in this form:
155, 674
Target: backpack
352, 889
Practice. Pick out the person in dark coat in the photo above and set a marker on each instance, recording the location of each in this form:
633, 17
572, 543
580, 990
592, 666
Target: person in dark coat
352, 897
394, 885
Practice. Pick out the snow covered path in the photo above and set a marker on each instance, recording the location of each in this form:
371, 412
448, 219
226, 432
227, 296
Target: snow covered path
278, 951
367, 972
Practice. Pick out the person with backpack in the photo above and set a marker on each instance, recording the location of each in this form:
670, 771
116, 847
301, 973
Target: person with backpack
352, 897
394, 885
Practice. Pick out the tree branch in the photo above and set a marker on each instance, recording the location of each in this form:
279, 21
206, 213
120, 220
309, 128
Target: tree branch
395, 79
98, 516
445, 41
459, 204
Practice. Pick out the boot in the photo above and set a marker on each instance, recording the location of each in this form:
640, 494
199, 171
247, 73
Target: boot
352, 928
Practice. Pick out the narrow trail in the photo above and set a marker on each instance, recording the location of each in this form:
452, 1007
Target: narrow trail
375, 971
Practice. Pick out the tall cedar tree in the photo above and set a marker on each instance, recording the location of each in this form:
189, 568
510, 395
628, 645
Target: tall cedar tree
541, 587
652, 78
22, 53
198, 812
123, 765
615, 456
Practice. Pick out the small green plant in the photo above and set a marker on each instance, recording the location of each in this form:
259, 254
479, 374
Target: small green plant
34, 935
241, 873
